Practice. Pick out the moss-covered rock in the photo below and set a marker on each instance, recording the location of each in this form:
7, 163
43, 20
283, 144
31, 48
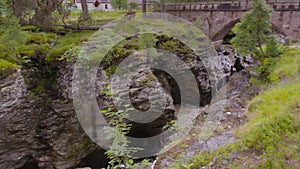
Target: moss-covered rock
70, 40
7, 68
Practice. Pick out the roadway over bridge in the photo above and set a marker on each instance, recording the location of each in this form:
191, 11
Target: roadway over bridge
218, 18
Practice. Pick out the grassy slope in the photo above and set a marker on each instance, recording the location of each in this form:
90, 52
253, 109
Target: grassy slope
271, 137
39, 44
70, 40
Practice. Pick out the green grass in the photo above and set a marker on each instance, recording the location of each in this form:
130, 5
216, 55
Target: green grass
98, 17
30, 28
42, 37
288, 66
107, 15
273, 124
70, 40
99, 14
273, 129
7, 67
38, 44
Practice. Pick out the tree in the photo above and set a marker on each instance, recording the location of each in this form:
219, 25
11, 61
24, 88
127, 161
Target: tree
254, 30
272, 48
3, 6
119, 4
162, 6
144, 6
85, 10
44, 9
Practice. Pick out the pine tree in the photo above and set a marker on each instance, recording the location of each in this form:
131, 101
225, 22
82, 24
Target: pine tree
254, 30
272, 48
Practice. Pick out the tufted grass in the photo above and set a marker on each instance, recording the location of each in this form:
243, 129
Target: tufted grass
287, 67
272, 132
274, 125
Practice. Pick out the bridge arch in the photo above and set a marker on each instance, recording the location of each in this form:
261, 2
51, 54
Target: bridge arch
224, 30
221, 33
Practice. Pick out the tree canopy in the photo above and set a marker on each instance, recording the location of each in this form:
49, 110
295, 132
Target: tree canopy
254, 30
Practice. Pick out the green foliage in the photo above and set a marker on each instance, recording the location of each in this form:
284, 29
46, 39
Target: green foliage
38, 45
70, 54
265, 69
119, 4
30, 28
253, 30
133, 5
12, 36
117, 53
70, 40
3, 4
41, 38
146, 41
273, 128
175, 46
6, 67
273, 124
272, 48
180, 1
119, 153
275, 70
287, 67
58, 28
201, 160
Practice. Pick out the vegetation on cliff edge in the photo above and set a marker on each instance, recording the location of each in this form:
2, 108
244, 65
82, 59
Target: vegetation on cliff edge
271, 137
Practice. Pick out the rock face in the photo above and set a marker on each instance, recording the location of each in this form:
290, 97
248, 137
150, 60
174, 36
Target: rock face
238, 91
38, 120
232, 62
39, 126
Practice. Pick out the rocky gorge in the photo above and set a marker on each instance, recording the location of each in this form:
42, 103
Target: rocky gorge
40, 128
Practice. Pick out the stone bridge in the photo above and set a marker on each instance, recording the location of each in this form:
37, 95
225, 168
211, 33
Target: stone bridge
218, 18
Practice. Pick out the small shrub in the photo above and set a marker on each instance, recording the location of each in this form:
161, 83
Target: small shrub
265, 69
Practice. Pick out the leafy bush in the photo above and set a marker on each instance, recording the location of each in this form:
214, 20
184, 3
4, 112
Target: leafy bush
120, 152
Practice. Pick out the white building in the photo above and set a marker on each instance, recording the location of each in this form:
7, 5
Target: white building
104, 5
